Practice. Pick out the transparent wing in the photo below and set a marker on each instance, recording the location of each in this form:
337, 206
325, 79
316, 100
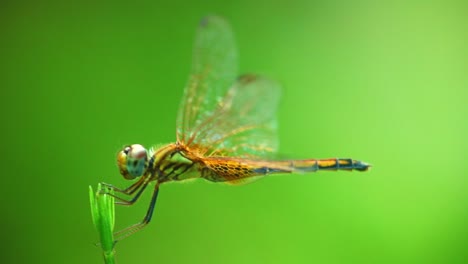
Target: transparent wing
242, 124
214, 70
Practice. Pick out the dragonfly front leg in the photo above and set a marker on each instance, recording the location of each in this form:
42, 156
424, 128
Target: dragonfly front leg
140, 186
129, 190
136, 227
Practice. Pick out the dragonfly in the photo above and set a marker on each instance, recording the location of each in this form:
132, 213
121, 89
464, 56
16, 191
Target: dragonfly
225, 129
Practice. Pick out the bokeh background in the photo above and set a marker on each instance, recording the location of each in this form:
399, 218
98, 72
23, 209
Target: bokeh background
382, 82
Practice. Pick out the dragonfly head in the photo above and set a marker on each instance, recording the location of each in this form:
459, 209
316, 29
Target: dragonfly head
132, 161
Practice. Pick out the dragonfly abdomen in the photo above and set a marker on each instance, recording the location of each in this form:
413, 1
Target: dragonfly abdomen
313, 165
233, 170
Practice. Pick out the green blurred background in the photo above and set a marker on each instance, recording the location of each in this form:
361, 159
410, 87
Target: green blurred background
384, 83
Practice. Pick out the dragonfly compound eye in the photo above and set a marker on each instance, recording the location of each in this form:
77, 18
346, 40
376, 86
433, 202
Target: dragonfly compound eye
132, 161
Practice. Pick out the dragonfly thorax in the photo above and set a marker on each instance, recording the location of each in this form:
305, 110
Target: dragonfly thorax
132, 161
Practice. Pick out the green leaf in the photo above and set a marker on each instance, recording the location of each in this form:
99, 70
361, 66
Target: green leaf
103, 215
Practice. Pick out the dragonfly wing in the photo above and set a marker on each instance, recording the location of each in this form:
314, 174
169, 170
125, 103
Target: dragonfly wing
244, 122
221, 115
214, 69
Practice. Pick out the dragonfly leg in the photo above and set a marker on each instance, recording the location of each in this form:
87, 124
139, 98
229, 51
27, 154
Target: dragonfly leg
123, 201
140, 187
136, 227
128, 191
